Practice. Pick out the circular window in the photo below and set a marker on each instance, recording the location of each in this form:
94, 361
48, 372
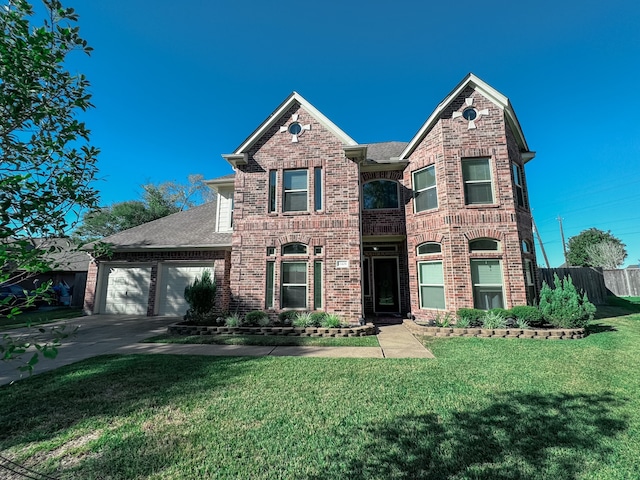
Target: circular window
470, 114
295, 128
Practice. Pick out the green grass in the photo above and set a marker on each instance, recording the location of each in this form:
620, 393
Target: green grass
482, 409
39, 317
268, 340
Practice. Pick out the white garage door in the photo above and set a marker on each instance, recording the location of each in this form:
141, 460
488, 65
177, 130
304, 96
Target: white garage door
174, 279
127, 290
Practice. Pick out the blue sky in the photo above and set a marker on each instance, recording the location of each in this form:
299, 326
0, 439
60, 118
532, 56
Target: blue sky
177, 84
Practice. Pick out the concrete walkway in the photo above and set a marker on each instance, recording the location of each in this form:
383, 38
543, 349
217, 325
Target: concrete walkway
120, 334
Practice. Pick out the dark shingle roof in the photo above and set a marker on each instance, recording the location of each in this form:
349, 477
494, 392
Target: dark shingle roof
193, 228
383, 152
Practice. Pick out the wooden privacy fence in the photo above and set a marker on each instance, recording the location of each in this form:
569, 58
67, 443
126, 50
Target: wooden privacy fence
591, 280
623, 283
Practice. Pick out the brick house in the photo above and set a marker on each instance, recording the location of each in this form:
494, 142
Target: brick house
318, 221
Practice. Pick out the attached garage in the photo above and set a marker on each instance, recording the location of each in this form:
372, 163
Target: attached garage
173, 280
126, 290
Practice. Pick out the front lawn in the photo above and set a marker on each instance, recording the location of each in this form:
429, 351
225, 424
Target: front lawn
482, 409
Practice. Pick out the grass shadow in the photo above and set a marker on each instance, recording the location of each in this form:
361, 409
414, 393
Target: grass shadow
517, 436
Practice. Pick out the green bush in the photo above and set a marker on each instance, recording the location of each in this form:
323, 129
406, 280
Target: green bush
233, 320
462, 322
563, 306
287, 317
201, 297
317, 318
531, 315
256, 318
302, 320
493, 320
471, 315
503, 312
332, 321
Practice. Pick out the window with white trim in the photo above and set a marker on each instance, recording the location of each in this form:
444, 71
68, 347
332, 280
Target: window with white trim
424, 188
429, 248
478, 186
484, 245
518, 184
294, 285
295, 191
379, 194
269, 296
294, 249
486, 278
273, 182
431, 282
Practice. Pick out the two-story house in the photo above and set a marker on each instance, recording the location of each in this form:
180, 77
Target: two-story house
312, 220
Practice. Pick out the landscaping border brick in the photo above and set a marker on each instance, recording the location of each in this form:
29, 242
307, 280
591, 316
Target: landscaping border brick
357, 331
538, 334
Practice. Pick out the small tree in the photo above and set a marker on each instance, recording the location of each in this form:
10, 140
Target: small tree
577, 254
606, 254
201, 297
563, 307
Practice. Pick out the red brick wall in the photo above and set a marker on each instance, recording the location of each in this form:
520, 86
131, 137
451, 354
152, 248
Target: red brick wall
220, 258
336, 228
453, 223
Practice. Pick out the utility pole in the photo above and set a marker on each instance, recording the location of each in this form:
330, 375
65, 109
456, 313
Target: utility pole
544, 254
564, 246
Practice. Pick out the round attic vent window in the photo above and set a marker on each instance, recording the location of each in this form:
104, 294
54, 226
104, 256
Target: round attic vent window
295, 128
470, 114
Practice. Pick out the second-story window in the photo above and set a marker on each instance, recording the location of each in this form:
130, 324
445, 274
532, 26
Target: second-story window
478, 187
518, 184
424, 186
380, 194
295, 186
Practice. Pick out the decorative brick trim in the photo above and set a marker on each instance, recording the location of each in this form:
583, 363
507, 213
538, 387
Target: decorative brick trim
359, 331
483, 233
537, 334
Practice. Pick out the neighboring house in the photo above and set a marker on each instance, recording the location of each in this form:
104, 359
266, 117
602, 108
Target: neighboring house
314, 220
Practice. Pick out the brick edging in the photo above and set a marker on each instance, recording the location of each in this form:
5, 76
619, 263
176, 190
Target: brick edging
537, 334
356, 331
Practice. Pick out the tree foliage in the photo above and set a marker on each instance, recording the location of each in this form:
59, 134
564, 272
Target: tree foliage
606, 254
48, 164
157, 201
577, 254
563, 307
201, 297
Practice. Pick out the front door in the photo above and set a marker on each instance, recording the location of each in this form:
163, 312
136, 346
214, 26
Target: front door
385, 283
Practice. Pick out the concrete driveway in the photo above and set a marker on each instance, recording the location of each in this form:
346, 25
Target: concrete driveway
96, 335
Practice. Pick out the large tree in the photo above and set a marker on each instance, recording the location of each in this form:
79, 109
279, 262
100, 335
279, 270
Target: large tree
582, 251
157, 201
48, 164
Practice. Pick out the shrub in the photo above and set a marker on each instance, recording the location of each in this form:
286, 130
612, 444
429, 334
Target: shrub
493, 320
521, 323
332, 321
531, 315
503, 312
233, 320
563, 306
201, 297
302, 320
317, 318
444, 320
256, 317
462, 322
287, 317
472, 315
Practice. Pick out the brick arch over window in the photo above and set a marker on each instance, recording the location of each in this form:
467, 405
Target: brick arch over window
395, 175
294, 238
430, 237
484, 233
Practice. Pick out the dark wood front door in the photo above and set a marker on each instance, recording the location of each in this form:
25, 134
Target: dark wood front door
385, 282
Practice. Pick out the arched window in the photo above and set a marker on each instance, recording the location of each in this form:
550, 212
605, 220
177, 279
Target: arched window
380, 194
484, 245
294, 249
429, 248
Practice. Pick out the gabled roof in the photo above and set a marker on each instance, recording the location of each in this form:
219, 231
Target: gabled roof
488, 91
292, 99
189, 229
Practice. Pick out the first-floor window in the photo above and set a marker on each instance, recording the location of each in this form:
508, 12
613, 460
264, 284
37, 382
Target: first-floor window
270, 284
431, 281
317, 285
486, 277
530, 281
294, 285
